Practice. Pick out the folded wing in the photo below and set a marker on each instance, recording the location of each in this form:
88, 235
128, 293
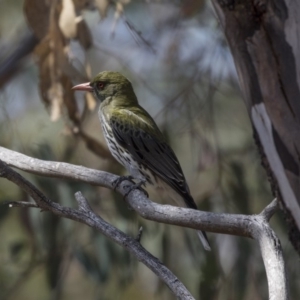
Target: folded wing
146, 144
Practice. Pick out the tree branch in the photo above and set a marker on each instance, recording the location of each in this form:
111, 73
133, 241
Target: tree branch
22, 204
86, 216
234, 224
270, 210
253, 226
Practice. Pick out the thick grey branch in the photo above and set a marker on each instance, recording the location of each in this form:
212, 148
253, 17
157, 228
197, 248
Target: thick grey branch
253, 226
219, 223
271, 252
86, 216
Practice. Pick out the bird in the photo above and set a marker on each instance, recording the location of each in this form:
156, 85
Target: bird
135, 140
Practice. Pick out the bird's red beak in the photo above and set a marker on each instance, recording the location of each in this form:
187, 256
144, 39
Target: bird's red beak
83, 87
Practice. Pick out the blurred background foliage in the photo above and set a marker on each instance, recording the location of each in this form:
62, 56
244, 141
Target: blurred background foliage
177, 59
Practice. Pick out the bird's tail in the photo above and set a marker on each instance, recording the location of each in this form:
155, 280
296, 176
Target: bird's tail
203, 238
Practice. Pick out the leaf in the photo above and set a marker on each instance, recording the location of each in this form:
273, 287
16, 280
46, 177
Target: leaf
45, 61
84, 4
69, 100
37, 15
67, 20
90, 100
55, 93
42, 50
118, 13
102, 6
83, 34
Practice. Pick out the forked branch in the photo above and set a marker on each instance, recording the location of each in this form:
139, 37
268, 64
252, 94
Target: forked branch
253, 226
84, 214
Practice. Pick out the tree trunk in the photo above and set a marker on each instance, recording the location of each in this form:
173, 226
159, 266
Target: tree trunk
265, 43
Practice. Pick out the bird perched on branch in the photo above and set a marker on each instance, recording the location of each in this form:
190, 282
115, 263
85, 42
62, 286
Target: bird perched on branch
135, 140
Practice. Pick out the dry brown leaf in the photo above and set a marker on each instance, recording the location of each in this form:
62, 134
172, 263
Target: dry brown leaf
60, 48
42, 50
89, 98
56, 72
69, 100
55, 94
44, 80
49, 75
118, 13
91, 101
67, 19
102, 6
84, 35
45, 62
83, 4
119, 9
88, 70
37, 15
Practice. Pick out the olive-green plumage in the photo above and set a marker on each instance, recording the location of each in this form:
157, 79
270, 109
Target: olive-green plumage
135, 140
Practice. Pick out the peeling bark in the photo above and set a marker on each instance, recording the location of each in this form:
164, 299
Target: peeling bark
265, 42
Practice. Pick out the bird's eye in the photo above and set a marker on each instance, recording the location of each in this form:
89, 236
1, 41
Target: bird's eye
100, 85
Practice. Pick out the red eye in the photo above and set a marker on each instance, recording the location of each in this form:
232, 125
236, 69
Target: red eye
100, 85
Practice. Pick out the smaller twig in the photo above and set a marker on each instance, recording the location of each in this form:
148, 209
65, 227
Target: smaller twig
254, 226
87, 216
139, 236
137, 34
20, 204
41, 200
269, 211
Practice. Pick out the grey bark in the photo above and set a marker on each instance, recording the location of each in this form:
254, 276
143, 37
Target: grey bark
253, 226
85, 215
264, 37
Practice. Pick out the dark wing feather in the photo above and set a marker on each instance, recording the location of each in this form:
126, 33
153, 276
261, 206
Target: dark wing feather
153, 152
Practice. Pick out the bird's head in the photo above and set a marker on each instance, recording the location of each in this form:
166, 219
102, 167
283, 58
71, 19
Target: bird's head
110, 86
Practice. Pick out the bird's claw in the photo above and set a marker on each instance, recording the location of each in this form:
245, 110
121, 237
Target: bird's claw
120, 179
136, 186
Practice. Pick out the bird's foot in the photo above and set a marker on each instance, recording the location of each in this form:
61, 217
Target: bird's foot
120, 179
136, 186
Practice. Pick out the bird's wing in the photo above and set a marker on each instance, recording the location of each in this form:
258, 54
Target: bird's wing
142, 138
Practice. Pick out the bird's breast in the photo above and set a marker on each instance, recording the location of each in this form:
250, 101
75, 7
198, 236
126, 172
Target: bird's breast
121, 154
